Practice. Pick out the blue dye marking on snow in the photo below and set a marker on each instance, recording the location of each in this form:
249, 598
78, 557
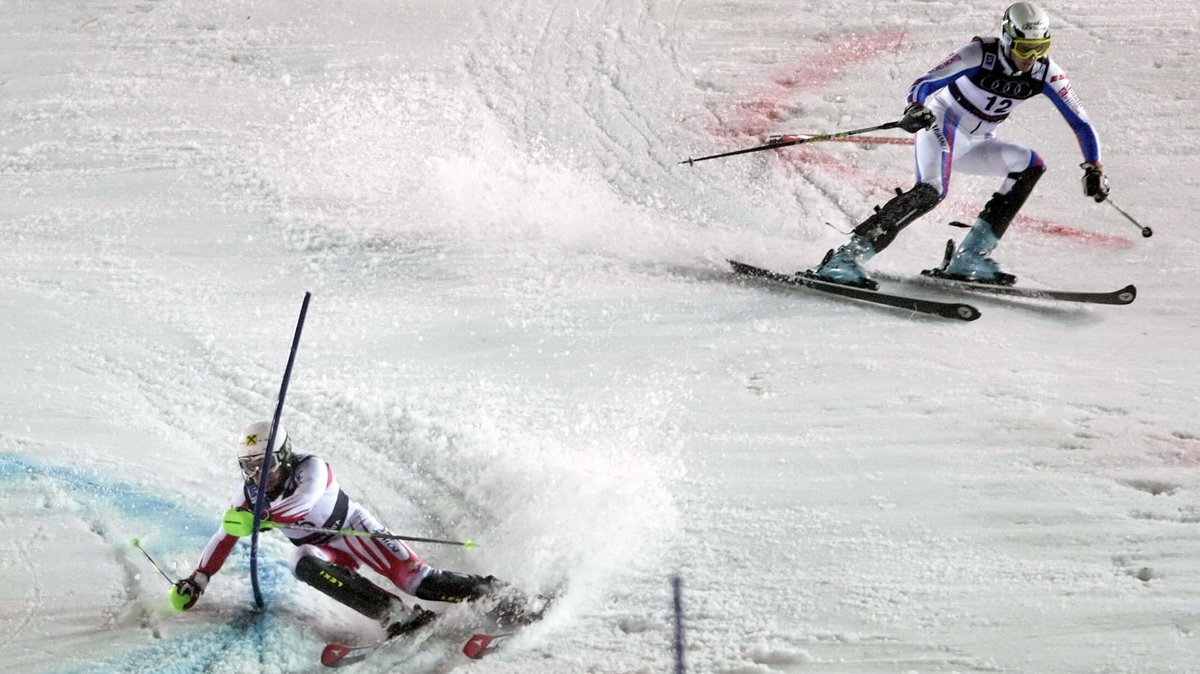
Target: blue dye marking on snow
246, 639
129, 500
244, 644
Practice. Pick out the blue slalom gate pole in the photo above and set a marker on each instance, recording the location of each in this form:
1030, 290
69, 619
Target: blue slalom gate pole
677, 591
260, 501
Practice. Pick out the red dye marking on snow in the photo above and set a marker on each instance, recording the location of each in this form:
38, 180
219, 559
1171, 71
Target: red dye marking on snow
1054, 229
1177, 439
1176, 448
833, 64
757, 114
802, 158
1028, 223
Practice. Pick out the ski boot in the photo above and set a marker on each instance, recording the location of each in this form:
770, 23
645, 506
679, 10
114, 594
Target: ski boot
874, 234
514, 608
971, 262
401, 620
844, 265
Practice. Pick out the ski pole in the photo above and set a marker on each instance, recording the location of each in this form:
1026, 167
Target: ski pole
268, 524
137, 543
1146, 231
787, 141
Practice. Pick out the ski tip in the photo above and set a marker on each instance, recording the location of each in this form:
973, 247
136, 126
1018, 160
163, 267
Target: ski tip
1127, 294
964, 312
742, 268
477, 646
333, 653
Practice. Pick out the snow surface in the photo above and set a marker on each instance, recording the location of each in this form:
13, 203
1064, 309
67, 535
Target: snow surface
523, 333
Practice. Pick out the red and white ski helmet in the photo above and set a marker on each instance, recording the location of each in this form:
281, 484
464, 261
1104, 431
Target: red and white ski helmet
252, 449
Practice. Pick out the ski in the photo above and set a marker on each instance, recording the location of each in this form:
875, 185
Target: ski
340, 655
961, 312
1124, 295
480, 645
938, 277
483, 644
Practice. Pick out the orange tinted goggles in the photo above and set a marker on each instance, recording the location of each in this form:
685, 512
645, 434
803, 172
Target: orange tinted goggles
1030, 48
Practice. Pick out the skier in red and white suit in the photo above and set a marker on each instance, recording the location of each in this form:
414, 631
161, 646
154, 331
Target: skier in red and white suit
302, 490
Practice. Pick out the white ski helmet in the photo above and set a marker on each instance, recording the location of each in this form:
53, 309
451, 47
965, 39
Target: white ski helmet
252, 449
1025, 30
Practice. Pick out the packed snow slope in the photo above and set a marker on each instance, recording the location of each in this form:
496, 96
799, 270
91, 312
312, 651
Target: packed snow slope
523, 332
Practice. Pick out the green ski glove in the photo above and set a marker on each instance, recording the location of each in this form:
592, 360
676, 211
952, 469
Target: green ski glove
240, 522
187, 591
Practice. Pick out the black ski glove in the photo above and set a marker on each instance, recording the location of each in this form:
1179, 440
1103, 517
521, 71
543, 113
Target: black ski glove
1095, 184
917, 117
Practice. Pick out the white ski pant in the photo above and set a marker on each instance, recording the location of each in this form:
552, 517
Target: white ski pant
960, 141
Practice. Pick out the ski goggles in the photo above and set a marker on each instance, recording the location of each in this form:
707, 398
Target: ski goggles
251, 466
1025, 49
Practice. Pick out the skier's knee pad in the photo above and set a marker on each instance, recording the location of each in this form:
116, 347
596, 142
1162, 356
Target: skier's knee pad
1031, 175
888, 220
453, 586
344, 585
1002, 208
923, 196
303, 551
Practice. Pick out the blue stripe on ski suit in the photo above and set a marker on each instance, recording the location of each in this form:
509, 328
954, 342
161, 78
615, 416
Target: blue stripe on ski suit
949, 131
921, 90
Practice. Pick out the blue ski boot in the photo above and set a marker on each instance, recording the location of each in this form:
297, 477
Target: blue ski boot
843, 266
971, 262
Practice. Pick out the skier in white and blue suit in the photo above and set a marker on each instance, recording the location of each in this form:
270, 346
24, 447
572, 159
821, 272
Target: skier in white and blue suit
954, 110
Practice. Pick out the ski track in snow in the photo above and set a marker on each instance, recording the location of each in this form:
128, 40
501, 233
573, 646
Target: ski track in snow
523, 330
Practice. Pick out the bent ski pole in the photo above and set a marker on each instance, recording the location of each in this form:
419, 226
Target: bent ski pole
1146, 231
137, 543
268, 524
788, 141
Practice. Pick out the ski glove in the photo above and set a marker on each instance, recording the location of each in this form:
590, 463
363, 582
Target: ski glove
187, 591
917, 117
1095, 184
240, 522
